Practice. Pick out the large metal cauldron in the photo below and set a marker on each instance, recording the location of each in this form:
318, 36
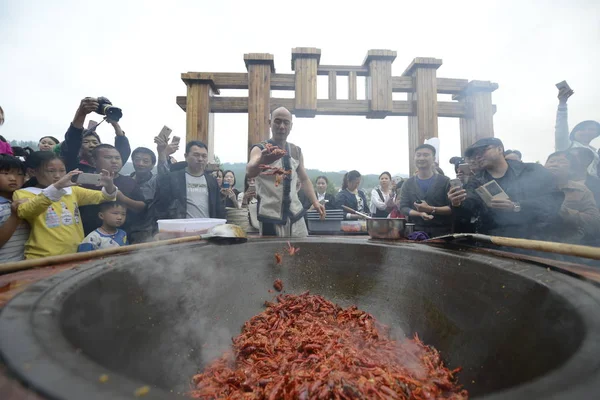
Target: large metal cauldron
519, 330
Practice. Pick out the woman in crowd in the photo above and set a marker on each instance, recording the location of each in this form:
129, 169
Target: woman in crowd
249, 194
228, 191
218, 174
52, 209
327, 199
382, 197
351, 196
47, 143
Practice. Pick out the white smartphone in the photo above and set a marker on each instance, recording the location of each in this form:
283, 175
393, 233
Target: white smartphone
165, 132
87, 179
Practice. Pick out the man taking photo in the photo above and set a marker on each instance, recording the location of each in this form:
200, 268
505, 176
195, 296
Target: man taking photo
533, 203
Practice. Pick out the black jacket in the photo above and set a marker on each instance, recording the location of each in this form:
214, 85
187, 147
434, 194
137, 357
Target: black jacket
533, 187
170, 201
69, 150
436, 196
348, 199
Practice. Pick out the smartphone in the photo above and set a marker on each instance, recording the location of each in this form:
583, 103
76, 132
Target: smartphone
563, 84
92, 125
455, 183
176, 140
494, 189
225, 185
165, 132
87, 179
464, 168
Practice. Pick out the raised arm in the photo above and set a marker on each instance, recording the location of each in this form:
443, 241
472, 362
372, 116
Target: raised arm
69, 149
561, 129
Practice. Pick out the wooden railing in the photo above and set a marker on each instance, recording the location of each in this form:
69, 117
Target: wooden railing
472, 100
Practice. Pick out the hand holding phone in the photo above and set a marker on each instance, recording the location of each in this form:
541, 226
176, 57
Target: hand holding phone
164, 134
87, 179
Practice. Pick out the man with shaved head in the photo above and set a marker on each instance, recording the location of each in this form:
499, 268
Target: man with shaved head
280, 211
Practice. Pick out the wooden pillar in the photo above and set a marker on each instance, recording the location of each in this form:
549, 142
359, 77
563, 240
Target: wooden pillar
479, 122
423, 123
259, 66
379, 82
305, 61
199, 119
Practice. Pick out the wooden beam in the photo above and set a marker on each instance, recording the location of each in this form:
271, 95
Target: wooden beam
283, 81
260, 66
402, 84
333, 107
343, 70
332, 85
451, 86
352, 86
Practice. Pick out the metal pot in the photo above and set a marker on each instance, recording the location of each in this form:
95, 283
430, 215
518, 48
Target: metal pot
519, 330
386, 228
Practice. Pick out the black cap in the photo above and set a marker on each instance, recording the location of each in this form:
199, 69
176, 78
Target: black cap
490, 141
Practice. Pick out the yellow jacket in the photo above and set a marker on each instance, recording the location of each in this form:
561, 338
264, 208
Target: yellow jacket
53, 214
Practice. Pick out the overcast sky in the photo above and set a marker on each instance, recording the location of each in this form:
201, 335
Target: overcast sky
52, 54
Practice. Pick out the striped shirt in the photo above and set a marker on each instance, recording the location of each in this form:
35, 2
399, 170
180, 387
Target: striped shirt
14, 249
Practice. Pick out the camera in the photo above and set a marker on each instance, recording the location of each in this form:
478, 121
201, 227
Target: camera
105, 107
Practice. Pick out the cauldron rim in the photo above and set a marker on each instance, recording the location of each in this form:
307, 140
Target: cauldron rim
47, 364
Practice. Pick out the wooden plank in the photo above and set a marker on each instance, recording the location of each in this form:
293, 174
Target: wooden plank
343, 107
402, 84
451, 86
352, 86
343, 70
452, 109
222, 80
239, 80
422, 62
332, 85
283, 81
401, 108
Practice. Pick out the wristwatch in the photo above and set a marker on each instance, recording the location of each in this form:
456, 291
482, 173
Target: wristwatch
516, 206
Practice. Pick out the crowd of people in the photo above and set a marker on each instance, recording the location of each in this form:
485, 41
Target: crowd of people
71, 196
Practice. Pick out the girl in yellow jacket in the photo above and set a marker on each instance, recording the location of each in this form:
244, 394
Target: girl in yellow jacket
52, 205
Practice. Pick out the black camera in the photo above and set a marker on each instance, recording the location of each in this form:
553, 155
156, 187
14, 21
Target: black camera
105, 107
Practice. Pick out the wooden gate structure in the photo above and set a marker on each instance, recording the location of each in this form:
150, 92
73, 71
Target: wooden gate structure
472, 100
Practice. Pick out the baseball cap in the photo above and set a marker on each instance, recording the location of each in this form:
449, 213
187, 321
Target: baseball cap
490, 141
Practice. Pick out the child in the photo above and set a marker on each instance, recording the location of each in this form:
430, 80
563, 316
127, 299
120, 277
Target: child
53, 206
112, 215
13, 231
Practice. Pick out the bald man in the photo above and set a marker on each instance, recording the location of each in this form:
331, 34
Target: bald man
280, 211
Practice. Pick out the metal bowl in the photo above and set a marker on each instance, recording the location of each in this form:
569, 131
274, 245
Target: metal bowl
386, 228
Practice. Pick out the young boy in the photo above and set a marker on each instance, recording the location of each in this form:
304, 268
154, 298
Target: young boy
113, 215
14, 232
